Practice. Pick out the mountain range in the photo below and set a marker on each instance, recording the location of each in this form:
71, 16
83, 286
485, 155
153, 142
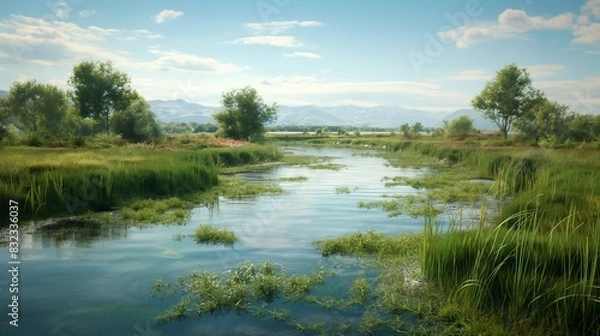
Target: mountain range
343, 115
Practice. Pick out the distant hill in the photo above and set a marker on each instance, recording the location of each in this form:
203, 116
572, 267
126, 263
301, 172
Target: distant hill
347, 115
479, 122
182, 111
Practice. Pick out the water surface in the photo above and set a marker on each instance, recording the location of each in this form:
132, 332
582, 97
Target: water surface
96, 282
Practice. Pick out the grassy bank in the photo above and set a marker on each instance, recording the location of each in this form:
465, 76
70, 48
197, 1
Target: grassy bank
57, 182
535, 270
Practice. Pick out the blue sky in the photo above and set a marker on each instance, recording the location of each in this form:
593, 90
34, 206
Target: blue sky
430, 55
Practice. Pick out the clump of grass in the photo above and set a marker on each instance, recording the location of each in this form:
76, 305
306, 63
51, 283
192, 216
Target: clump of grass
247, 288
294, 179
411, 205
235, 188
208, 234
371, 243
326, 166
172, 210
342, 190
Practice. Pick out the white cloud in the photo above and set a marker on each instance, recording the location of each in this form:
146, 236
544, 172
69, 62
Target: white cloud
544, 70
277, 27
510, 23
271, 40
591, 7
582, 95
586, 30
471, 75
62, 10
302, 54
166, 14
299, 90
175, 60
589, 34
87, 13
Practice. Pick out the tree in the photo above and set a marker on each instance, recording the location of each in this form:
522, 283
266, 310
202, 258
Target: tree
244, 114
405, 129
460, 127
39, 108
545, 121
4, 113
507, 98
136, 122
596, 126
417, 128
580, 127
99, 90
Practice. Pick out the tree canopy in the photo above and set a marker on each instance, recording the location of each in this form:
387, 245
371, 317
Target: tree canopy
460, 127
136, 122
39, 108
507, 97
244, 114
99, 90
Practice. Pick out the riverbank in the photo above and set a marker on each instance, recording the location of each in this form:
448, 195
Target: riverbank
535, 269
62, 182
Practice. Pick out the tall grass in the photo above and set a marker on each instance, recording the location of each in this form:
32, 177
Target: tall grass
533, 277
48, 182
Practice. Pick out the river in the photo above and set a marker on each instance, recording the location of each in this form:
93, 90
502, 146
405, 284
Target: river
96, 281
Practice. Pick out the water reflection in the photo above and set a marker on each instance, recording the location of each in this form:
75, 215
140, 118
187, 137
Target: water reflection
74, 233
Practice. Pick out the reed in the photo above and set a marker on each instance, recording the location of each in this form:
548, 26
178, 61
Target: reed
546, 279
58, 182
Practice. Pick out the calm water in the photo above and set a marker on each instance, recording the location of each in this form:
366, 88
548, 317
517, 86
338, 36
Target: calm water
96, 282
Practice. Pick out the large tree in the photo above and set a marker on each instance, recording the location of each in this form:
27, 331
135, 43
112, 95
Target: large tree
507, 97
545, 121
99, 90
39, 108
244, 114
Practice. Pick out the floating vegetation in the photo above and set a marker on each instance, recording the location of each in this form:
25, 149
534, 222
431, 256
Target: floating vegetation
294, 179
342, 190
247, 288
172, 210
208, 234
326, 166
411, 205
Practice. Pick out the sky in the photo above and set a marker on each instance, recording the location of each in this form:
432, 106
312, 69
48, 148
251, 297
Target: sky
428, 55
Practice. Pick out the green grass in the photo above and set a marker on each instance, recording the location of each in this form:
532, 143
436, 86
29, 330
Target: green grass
342, 190
546, 281
248, 288
326, 166
208, 234
294, 179
64, 182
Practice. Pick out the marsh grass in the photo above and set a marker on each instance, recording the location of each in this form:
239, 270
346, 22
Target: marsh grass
326, 166
209, 234
412, 205
57, 181
342, 190
545, 281
294, 179
247, 288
